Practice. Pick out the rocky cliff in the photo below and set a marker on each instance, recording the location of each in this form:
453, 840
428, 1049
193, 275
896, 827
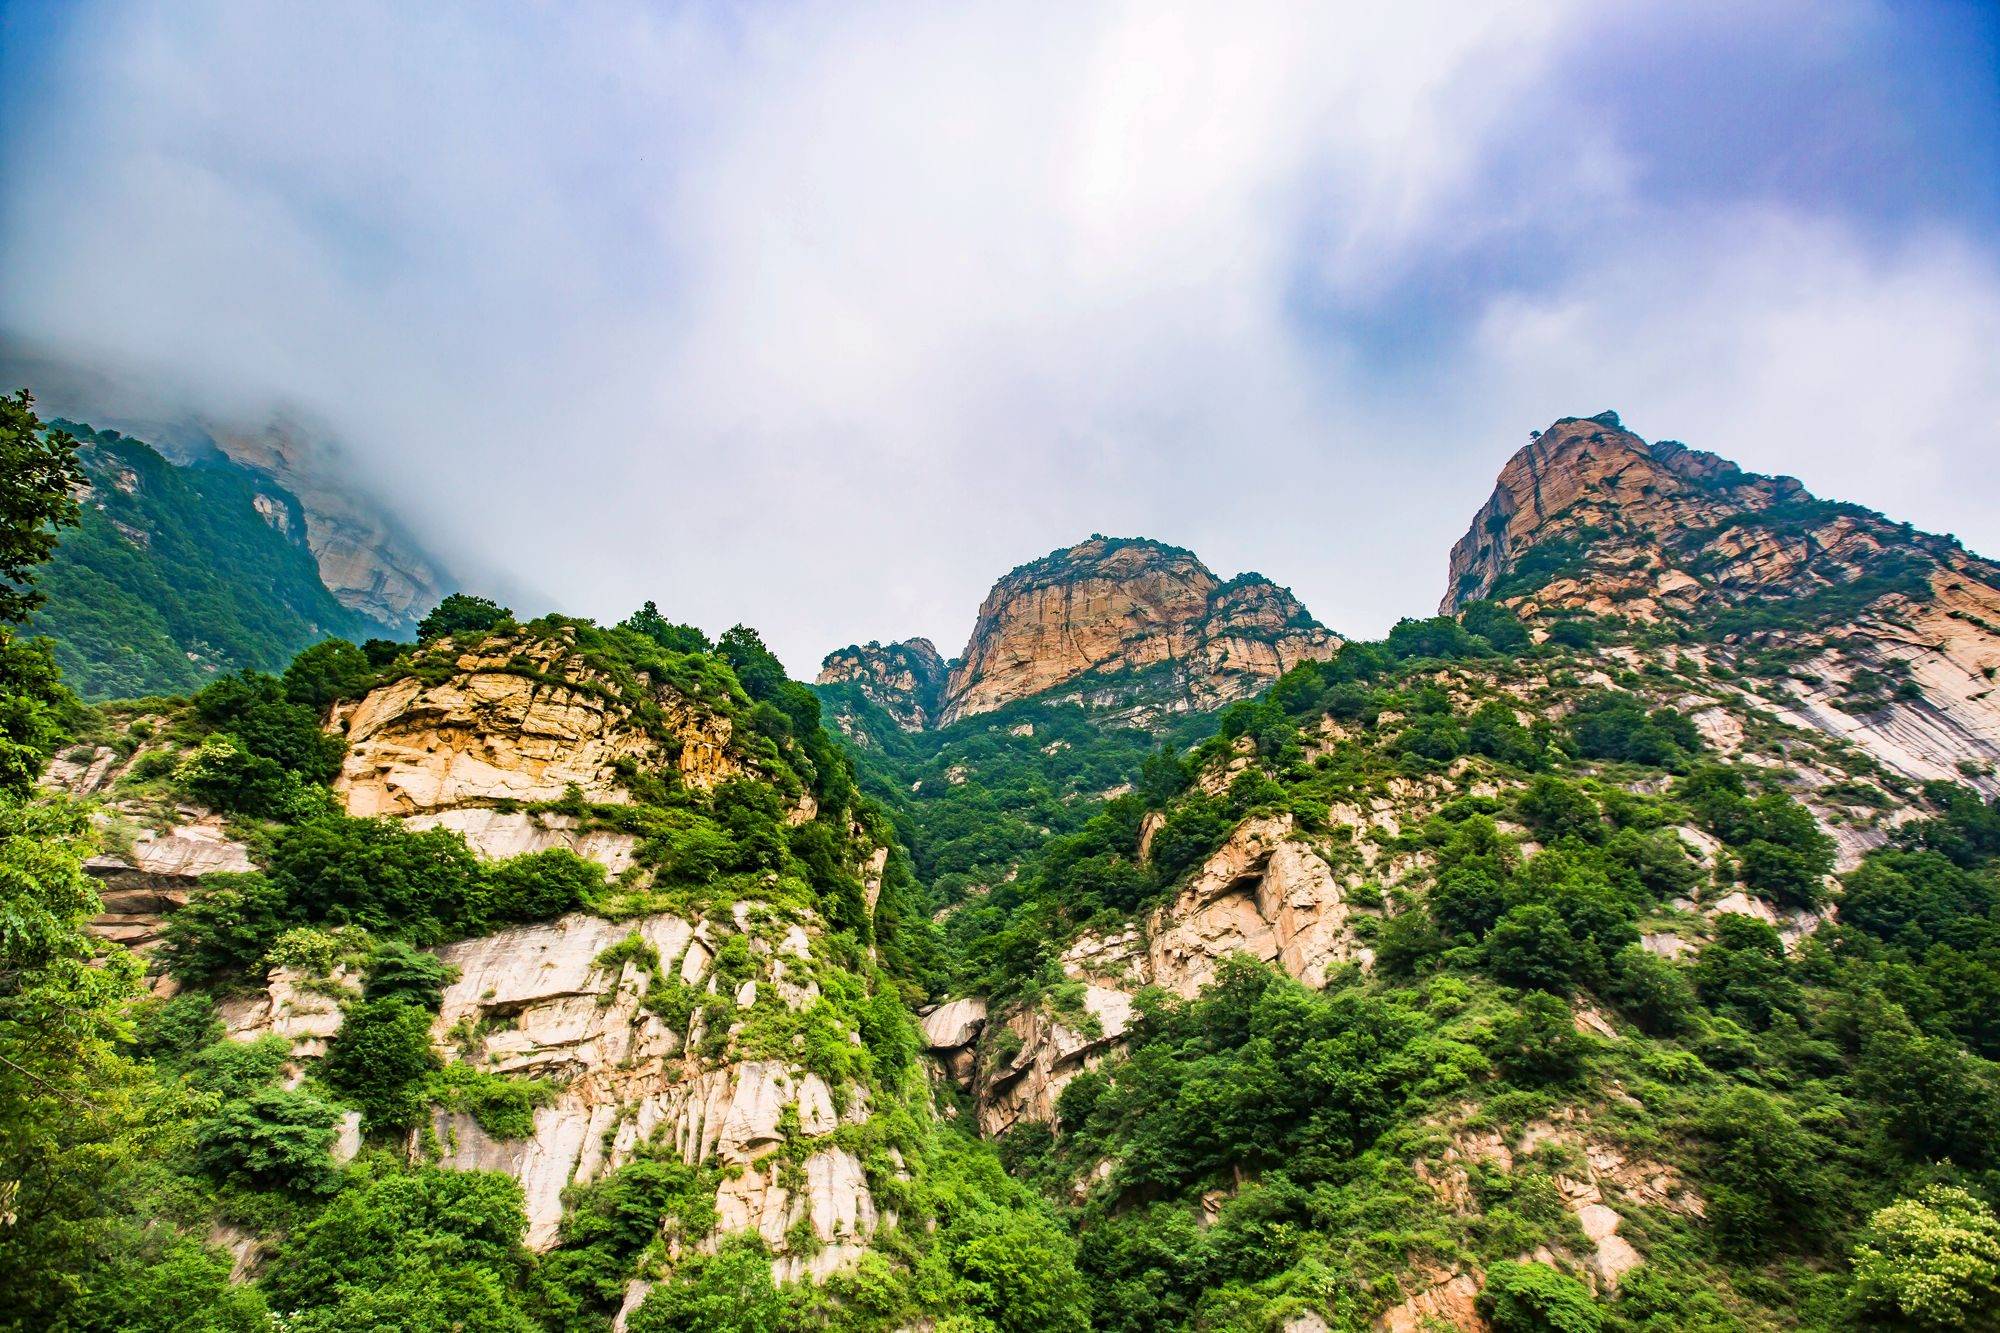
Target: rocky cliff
906, 679
677, 1032
1900, 629
1113, 621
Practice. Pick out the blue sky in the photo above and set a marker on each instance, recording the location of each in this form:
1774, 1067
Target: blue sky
822, 316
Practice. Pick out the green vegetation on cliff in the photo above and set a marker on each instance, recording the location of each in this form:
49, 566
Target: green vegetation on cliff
174, 575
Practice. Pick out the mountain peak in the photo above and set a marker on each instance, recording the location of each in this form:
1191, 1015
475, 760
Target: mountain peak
1130, 620
905, 679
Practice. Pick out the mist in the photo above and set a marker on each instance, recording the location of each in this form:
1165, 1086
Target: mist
822, 317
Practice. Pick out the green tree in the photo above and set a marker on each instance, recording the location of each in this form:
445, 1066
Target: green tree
270, 1139
420, 1251
380, 1059
648, 621
1531, 947
1932, 1262
38, 477
729, 1291
1537, 1043
462, 613
1018, 1270
329, 670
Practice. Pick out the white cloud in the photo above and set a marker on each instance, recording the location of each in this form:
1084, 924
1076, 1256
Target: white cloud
823, 316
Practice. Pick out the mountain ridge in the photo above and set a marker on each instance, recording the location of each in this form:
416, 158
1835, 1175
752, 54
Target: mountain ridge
1132, 624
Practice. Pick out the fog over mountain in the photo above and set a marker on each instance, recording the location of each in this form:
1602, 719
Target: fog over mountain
718, 306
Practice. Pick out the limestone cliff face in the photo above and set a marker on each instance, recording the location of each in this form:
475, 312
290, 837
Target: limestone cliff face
1128, 618
514, 722
905, 679
1263, 894
1590, 518
665, 1032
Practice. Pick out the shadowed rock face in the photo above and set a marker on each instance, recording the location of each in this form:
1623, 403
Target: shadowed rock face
1589, 518
1118, 618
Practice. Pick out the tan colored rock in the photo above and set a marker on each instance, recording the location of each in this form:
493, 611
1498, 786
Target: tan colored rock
1451, 1301
1664, 532
1260, 894
1105, 608
499, 729
499, 834
954, 1024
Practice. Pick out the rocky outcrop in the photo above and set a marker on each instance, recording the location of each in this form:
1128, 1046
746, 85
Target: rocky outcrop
516, 722
906, 680
1130, 619
1263, 895
538, 1002
1590, 518
151, 876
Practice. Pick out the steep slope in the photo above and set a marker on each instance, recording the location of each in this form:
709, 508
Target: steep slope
1865, 627
1447, 960
367, 559
370, 562
1129, 623
177, 574
659, 928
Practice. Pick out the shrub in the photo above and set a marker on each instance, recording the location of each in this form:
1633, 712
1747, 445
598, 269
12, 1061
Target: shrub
398, 972
329, 670
1932, 1262
1534, 1298
1537, 1043
271, 1139
1531, 947
538, 886
224, 931
729, 1291
375, 874
462, 613
381, 1059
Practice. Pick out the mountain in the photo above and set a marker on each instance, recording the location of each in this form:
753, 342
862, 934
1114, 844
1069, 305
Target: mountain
367, 557
1121, 623
905, 680
1867, 627
174, 575
1609, 951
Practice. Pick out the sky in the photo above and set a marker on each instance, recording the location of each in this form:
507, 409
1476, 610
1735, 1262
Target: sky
821, 317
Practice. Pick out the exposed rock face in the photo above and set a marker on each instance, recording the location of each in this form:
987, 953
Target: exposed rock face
153, 877
905, 679
1262, 893
514, 722
536, 1002
1109, 610
1590, 518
